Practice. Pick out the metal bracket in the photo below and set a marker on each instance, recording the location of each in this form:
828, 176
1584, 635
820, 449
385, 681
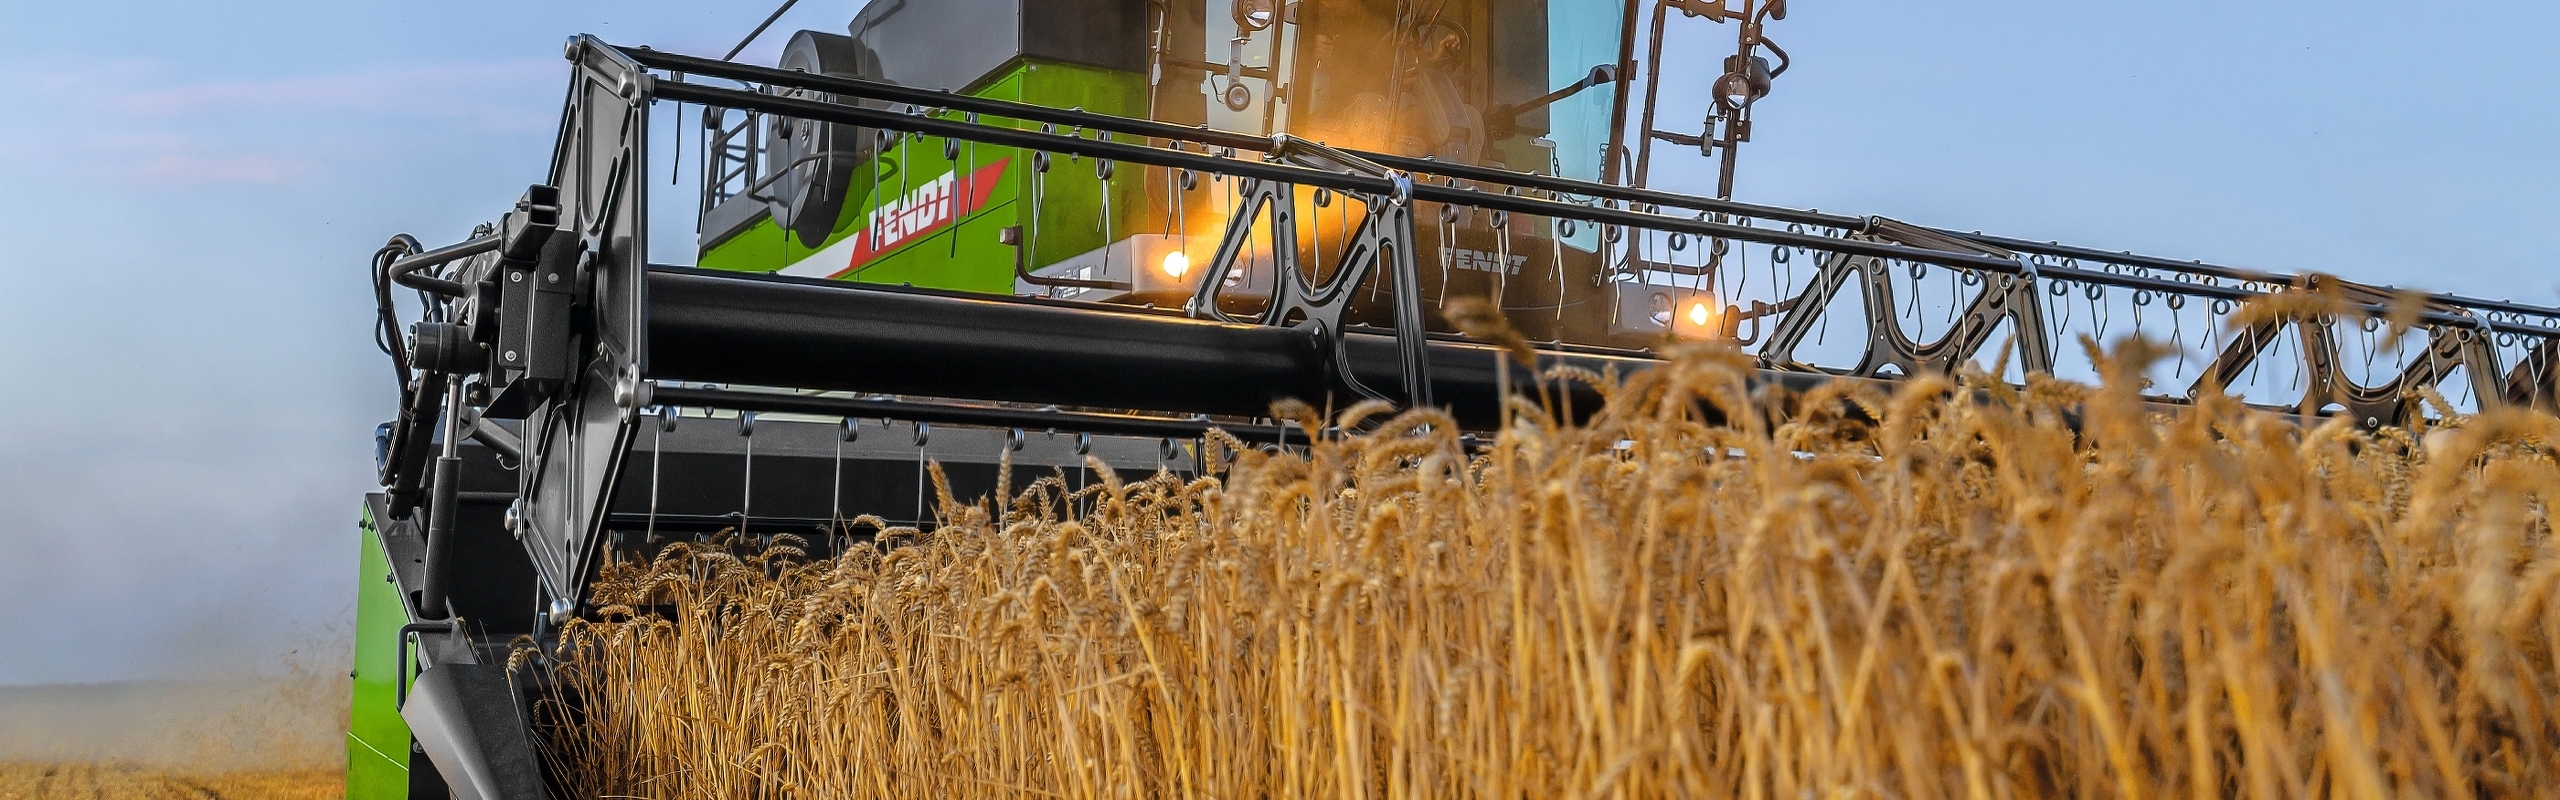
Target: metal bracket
2010, 297
400, 656
1385, 235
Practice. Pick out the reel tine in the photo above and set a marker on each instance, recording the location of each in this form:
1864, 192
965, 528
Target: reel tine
747, 497
657, 453
2178, 333
924, 433
850, 429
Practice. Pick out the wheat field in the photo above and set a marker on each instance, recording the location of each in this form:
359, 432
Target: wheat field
280, 736
1955, 590
87, 781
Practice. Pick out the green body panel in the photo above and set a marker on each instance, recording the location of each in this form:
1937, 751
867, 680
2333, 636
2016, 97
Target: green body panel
966, 255
377, 738
374, 776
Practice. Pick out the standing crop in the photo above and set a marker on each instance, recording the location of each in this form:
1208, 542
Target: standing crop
1959, 589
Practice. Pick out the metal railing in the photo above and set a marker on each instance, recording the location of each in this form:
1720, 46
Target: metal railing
1712, 250
1597, 274
731, 155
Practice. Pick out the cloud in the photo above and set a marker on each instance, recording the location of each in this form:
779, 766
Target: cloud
163, 126
167, 158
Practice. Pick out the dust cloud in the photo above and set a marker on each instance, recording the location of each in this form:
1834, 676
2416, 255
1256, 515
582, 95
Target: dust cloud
291, 719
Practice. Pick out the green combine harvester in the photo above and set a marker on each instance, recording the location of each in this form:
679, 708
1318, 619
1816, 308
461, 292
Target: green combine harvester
1069, 232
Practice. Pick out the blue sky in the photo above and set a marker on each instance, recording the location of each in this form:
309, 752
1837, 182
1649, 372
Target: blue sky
188, 386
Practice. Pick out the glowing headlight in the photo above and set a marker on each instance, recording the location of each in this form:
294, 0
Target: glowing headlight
1175, 264
1698, 314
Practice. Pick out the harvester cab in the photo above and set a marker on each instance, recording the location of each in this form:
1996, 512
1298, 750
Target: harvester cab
1511, 85
969, 243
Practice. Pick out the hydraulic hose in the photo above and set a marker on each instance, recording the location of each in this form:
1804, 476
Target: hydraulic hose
386, 332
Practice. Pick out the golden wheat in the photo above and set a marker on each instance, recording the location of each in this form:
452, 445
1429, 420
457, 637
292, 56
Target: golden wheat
1957, 590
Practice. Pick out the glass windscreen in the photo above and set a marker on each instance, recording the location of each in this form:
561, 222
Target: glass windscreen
1520, 85
1496, 83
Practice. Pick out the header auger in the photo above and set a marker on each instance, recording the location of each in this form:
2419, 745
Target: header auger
978, 231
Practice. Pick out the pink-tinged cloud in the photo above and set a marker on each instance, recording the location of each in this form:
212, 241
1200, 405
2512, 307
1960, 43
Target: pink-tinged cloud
147, 121
186, 169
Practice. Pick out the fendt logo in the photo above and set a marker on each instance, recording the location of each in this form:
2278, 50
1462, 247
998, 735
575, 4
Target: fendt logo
1481, 261
922, 212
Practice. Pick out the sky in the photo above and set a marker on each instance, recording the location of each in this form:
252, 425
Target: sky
188, 385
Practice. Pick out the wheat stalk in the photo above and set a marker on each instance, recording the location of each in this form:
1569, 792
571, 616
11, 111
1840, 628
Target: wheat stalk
1948, 592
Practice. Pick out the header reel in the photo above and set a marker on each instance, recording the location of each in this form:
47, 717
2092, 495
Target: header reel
606, 400
558, 320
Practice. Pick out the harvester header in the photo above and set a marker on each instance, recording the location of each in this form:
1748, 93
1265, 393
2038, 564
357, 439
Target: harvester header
1051, 235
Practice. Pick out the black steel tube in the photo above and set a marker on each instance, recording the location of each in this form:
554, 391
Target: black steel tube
1637, 219
767, 331
2170, 286
402, 271
960, 414
2126, 259
2223, 272
2149, 282
400, 658
807, 334
432, 591
498, 440
2502, 306
1628, 194
1283, 173
810, 334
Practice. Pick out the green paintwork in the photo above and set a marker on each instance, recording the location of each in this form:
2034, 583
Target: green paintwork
966, 256
377, 739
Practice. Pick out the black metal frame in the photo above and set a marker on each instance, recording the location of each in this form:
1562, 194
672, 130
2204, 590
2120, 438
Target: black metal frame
1385, 237
554, 342
1857, 247
582, 333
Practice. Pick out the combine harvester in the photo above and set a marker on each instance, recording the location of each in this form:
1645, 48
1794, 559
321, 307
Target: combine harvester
973, 230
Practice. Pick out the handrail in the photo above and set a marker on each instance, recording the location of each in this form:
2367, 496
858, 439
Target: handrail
888, 92
2219, 271
1284, 173
1635, 197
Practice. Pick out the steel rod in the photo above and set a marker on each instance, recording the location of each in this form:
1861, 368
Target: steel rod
1284, 173
2220, 271
960, 414
432, 601
873, 90
1202, 135
1623, 193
